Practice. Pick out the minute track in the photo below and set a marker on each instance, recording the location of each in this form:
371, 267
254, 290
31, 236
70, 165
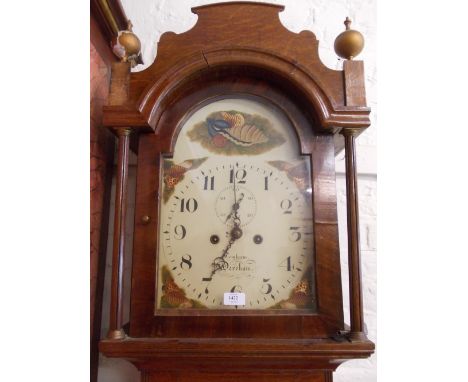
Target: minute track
259, 213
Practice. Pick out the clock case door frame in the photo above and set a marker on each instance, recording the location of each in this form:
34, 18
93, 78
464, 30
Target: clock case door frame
218, 90
200, 88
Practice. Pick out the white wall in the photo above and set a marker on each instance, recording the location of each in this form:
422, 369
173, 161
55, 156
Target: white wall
325, 18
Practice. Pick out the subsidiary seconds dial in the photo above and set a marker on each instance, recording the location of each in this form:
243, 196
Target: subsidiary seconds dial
224, 205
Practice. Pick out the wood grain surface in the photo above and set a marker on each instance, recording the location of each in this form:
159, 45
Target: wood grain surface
255, 57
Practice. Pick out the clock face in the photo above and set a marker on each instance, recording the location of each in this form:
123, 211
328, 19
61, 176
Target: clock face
236, 224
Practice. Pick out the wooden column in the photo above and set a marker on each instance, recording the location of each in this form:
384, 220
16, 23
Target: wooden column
116, 305
354, 257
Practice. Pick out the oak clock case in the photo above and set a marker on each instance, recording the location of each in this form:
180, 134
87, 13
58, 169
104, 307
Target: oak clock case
236, 131
235, 170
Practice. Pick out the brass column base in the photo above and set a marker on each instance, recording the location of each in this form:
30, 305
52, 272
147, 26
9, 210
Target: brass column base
117, 334
357, 337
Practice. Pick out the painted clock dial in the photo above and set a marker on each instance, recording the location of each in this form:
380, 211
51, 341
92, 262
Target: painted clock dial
236, 212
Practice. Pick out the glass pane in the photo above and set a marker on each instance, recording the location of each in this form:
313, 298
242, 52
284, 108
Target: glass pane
236, 213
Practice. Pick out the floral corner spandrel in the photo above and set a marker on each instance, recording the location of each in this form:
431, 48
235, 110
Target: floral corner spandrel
173, 296
174, 173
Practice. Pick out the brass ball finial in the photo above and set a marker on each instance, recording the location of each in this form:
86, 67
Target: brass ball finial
349, 43
127, 46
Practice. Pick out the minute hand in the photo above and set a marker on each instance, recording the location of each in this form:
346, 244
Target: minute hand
219, 262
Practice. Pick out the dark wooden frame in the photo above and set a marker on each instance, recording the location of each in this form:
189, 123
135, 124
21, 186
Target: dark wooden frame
262, 54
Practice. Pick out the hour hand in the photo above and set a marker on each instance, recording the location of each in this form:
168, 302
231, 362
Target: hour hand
229, 216
235, 207
220, 263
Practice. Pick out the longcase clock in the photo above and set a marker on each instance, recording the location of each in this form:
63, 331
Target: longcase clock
236, 263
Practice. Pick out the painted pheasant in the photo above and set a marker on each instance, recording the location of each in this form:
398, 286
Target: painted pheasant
232, 127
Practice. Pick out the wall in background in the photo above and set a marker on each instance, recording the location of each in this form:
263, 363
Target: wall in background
325, 18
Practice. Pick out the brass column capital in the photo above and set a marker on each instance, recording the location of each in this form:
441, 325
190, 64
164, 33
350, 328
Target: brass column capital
350, 131
123, 131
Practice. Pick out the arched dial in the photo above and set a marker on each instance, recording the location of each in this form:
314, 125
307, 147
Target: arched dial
237, 226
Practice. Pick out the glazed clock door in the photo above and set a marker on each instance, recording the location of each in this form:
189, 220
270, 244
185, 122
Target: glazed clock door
236, 216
